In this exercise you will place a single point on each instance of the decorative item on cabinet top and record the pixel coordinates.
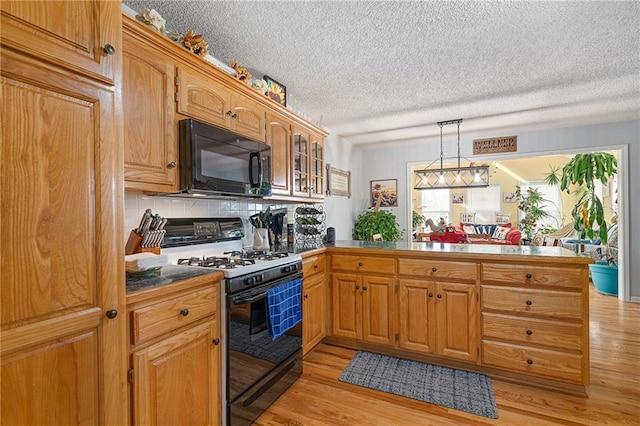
(276, 91)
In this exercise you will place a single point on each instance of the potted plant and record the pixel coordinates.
(530, 202)
(586, 170)
(372, 222)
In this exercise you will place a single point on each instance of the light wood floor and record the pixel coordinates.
(318, 398)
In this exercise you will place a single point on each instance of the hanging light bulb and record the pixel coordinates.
(476, 178)
(441, 178)
(458, 177)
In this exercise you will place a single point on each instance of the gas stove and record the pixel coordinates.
(217, 243)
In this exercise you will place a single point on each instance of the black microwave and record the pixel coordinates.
(217, 162)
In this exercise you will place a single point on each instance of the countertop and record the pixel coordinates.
(167, 275)
(470, 250)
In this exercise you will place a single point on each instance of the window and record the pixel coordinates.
(435, 203)
(485, 203)
(553, 206)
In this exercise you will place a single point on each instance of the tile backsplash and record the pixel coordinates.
(136, 203)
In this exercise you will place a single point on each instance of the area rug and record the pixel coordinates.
(457, 389)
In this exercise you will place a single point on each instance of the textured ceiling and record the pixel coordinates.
(380, 72)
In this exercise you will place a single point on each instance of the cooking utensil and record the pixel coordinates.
(143, 220)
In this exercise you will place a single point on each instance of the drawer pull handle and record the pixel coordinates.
(172, 165)
(529, 302)
(215, 341)
(529, 361)
(434, 269)
(528, 276)
(430, 294)
(439, 296)
(111, 314)
(529, 332)
(357, 287)
(109, 49)
(184, 312)
(360, 264)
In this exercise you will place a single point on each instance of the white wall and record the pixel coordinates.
(342, 211)
(385, 163)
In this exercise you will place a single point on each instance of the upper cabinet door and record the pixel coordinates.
(279, 138)
(150, 140)
(80, 35)
(248, 117)
(316, 166)
(202, 98)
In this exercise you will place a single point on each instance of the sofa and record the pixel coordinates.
(497, 234)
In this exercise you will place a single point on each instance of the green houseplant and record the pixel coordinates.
(371, 222)
(416, 219)
(530, 202)
(585, 171)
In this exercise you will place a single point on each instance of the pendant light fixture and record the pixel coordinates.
(458, 177)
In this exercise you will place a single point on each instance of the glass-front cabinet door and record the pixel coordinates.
(316, 161)
(300, 163)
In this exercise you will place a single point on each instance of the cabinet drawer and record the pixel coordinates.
(534, 275)
(554, 304)
(314, 265)
(466, 271)
(383, 265)
(532, 331)
(153, 320)
(539, 362)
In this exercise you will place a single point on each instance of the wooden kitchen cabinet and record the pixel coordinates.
(439, 308)
(363, 308)
(279, 138)
(76, 35)
(175, 340)
(148, 103)
(308, 163)
(63, 354)
(209, 101)
(314, 303)
(535, 320)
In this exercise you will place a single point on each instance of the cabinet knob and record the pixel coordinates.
(528, 276)
(234, 116)
(529, 361)
(111, 313)
(172, 165)
(439, 296)
(315, 266)
(357, 287)
(360, 264)
(529, 332)
(109, 49)
(215, 341)
(229, 113)
(529, 302)
(306, 296)
(364, 288)
(430, 294)
(434, 269)
(184, 312)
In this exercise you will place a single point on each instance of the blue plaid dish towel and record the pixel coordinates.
(285, 311)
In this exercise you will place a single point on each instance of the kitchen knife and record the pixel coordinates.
(143, 220)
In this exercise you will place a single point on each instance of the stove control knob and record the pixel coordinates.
(286, 269)
(259, 278)
(249, 281)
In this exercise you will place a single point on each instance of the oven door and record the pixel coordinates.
(251, 352)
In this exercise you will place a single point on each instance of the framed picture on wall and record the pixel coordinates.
(387, 189)
(509, 197)
(457, 198)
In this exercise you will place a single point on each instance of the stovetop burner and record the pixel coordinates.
(232, 259)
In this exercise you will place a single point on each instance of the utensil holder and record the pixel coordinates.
(134, 245)
(260, 239)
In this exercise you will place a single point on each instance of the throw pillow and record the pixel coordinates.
(486, 229)
(500, 233)
(469, 229)
(502, 218)
(467, 217)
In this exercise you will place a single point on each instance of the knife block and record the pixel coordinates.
(134, 245)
